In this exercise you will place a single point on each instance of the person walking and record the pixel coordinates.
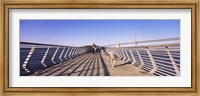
(94, 48)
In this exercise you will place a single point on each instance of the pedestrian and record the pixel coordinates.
(93, 48)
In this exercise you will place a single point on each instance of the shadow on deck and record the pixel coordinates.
(90, 65)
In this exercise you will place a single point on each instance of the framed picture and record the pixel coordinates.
(100, 47)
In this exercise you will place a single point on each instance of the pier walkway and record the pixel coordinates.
(91, 65)
(155, 58)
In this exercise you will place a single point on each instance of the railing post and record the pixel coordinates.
(73, 53)
(120, 53)
(128, 58)
(134, 60)
(60, 57)
(54, 55)
(78, 52)
(24, 65)
(44, 57)
(142, 63)
(117, 53)
(173, 62)
(152, 61)
(66, 53)
(124, 57)
(70, 53)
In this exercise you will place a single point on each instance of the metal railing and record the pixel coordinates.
(36, 56)
(161, 59)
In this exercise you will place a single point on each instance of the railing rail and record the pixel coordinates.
(42, 44)
(145, 41)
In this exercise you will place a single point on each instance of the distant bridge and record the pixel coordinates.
(154, 58)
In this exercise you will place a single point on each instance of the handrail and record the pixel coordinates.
(145, 41)
(155, 45)
(44, 44)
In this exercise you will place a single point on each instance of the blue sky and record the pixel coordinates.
(100, 32)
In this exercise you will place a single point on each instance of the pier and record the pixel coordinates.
(141, 58)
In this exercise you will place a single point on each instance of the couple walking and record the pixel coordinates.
(94, 48)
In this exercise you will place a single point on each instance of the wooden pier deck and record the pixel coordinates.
(91, 65)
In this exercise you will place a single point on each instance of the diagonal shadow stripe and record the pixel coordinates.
(81, 63)
(84, 68)
(70, 65)
(94, 62)
(106, 72)
(62, 65)
(75, 63)
(87, 70)
(55, 66)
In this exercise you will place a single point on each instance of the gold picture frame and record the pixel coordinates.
(34, 4)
